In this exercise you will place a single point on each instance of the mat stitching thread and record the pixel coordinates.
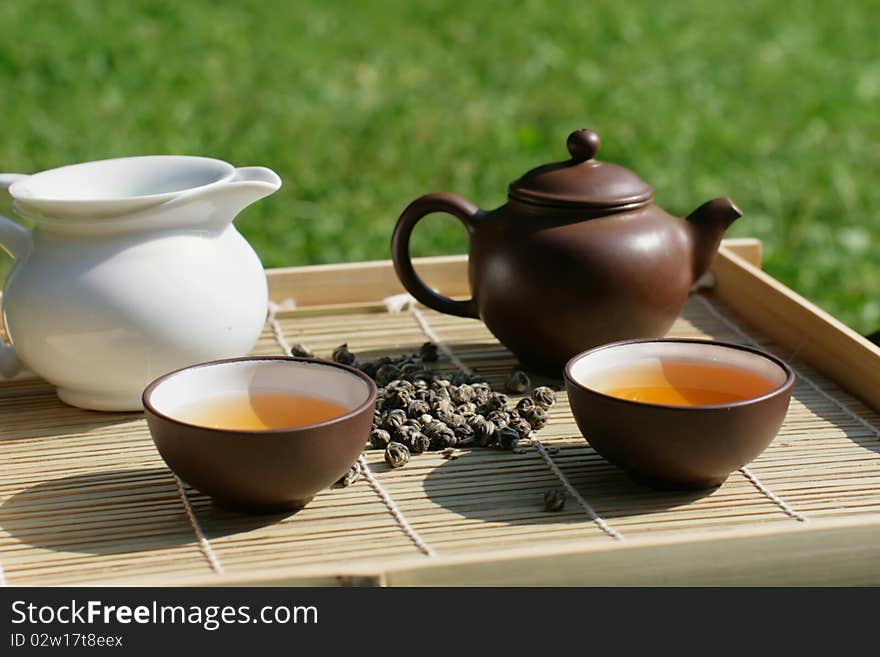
(372, 481)
(595, 517)
(206, 548)
(393, 509)
(276, 325)
(3, 580)
(770, 495)
(398, 303)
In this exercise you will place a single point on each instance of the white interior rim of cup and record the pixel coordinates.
(590, 367)
(170, 395)
(142, 177)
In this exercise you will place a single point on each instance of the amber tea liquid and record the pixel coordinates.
(260, 410)
(685, 383)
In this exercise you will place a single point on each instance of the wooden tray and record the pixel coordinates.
(85, 498)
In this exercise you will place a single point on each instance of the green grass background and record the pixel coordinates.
(362, 106)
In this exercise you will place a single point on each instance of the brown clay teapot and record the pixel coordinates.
(579, 256)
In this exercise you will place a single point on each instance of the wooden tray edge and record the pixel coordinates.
(840, 551)
(798, 325)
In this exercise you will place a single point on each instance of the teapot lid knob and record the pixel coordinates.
(583, 145)
(582, 181)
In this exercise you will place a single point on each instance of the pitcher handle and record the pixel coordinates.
(15, 239)
(458, 207)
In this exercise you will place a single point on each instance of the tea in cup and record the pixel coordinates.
(678, 413)
(261, 433)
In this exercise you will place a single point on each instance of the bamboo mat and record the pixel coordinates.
(86, 499)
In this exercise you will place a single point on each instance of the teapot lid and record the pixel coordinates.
(582, 180)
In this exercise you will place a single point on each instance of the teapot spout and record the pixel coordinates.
(707, 226)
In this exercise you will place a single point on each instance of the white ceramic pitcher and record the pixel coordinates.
(134, 269)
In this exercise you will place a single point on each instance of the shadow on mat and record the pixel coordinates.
(116, 512)
(490, 490)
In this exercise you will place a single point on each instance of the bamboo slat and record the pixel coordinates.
(85, 498)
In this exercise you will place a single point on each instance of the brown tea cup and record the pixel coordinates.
(677, 446)
(262, 470)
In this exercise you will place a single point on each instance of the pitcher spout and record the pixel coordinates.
(708, 224)
(247, 185)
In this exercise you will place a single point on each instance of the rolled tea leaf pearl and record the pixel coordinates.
(379, 438)
(537, 418)
(439, 434)
(554, 500)
(397, 398)
(369, 369)
(396, 455)
(426, 395)
(409, 429)
(444, 439)
(417, 407)
(403, 384)
(497, 401)
(434, 428)
(521, 425)
(544, 397)
(500, 418)
(393, 419)
(404, 434)
(428, 352)
(464, 432)
(301, 351)
(525, 406)
(496, 435)
(350, 477)
(419, 443)
(466, 409)
(508, 438)
(386, 374)
(461, 394)
(443, 393)
(343, 356)
(443, 407)
(482, 391)
(484, 430)
(517, 382)
(455, 421)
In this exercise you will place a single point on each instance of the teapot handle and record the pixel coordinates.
(458, 207)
